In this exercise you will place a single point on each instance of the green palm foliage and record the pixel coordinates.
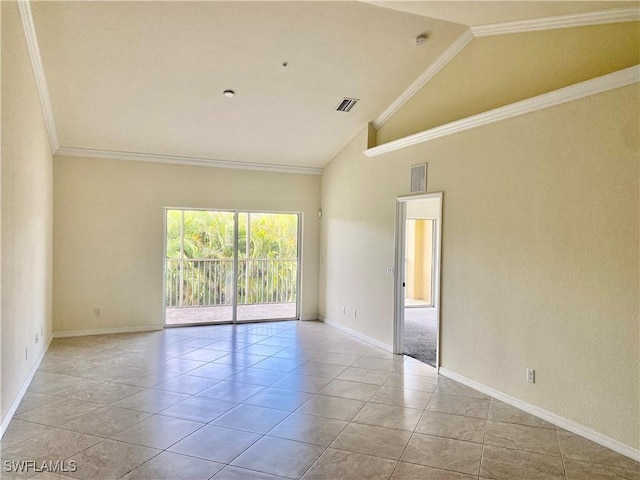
(200, 258)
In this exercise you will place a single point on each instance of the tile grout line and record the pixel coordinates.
(284, 419)
(481, 456)
(263, 435)
(562, 459)
(347, 423)
(328, 345)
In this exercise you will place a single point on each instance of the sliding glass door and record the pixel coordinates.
(267, 266)
(231, 266)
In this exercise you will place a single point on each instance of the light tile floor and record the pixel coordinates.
(276, 400)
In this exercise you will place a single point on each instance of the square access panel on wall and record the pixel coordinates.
(419, 178)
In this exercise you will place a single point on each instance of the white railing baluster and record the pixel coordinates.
(208, 282)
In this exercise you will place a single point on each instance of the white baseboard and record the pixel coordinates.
(358, 335)
(562, 422)
(23, 389)
(107, 331)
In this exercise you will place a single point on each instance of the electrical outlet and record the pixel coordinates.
(97, 312)
(344, 310)
(531, 375)
(37, 337)
(390, 271)
(355, 313)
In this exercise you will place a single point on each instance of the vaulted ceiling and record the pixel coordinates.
(484, 12)
(148, 77)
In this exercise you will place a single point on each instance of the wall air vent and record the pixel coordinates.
(419, 178)
(347, 104)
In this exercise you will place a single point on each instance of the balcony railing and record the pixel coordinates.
(209, 282)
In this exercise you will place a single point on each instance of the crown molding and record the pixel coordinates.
(38, 72)
(422, 80)
(561, 21)
(533, 25)
(580, 90)
(178, 160)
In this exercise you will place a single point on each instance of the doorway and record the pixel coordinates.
(420, 320)
(417, 277)
(231, 266)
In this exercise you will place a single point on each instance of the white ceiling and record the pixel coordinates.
(148, 77)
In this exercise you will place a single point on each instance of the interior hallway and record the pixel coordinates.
(277, 400)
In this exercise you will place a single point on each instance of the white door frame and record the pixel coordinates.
(399, 269)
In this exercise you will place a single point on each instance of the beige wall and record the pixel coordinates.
(26, 213)
(495, 71)
(540, 254)
(109, 231)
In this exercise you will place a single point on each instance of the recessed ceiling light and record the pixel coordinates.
(229, 93)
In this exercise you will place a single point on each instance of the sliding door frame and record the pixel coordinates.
(236, 234)
(299, 254)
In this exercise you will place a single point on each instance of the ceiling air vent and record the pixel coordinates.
(347, 104)
(419, 178)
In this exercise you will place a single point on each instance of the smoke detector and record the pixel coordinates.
(421, 39)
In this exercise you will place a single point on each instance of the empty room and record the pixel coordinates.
(352, 240)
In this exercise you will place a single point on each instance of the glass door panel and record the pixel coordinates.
(223, 267)
(199, 267)
(267, 266)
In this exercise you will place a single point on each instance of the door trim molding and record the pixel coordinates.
(398, 275)
(399, 269)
